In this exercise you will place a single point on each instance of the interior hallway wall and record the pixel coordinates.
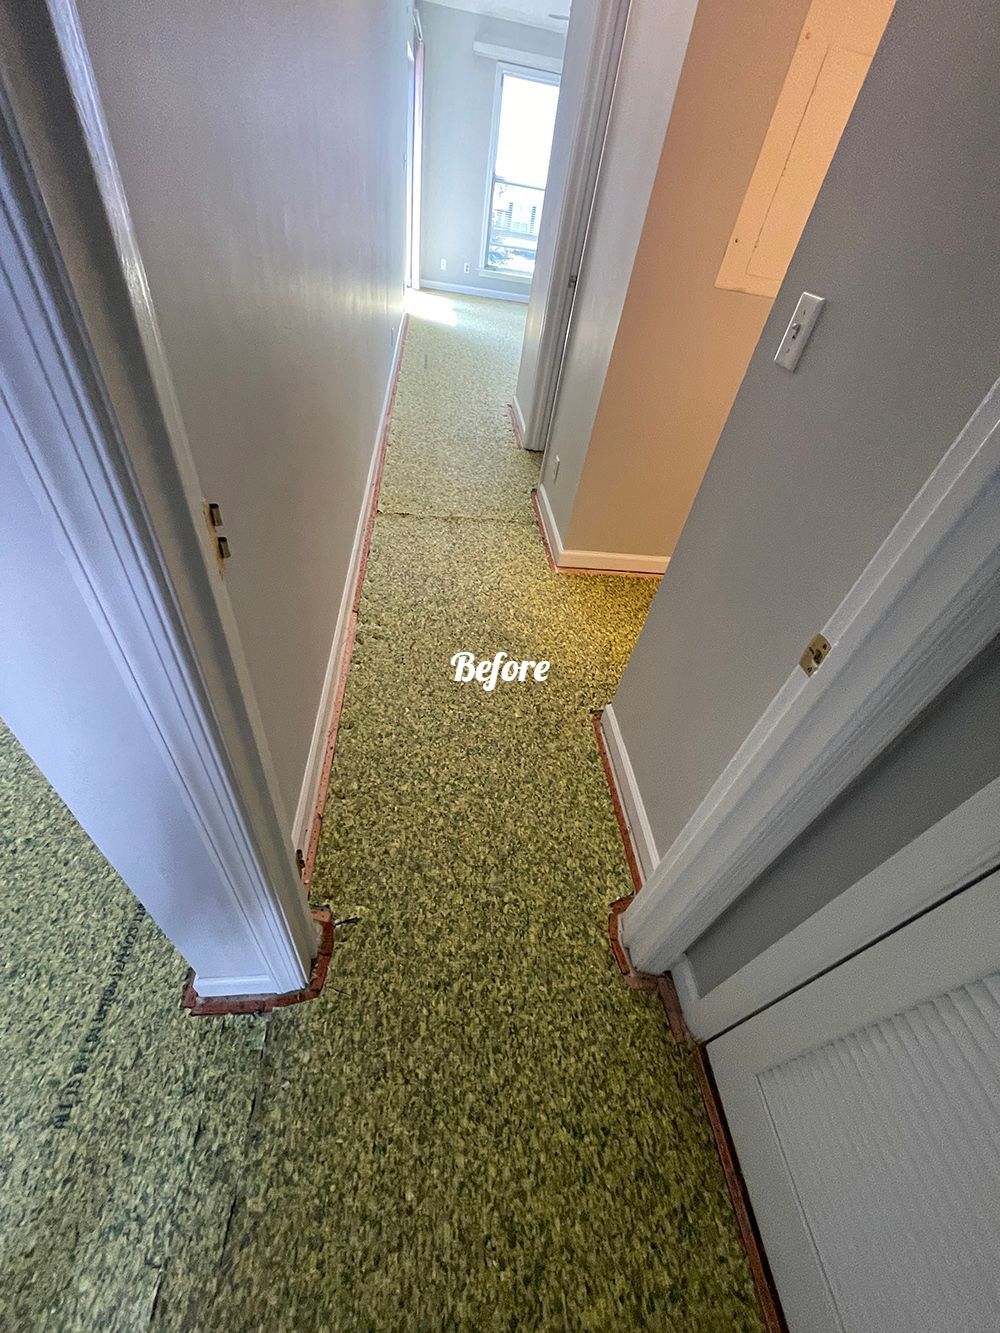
(683, 345)
(812, 470)
(261, 149)
(459, 91)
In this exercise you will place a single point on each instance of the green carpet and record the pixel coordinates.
(477, 1127)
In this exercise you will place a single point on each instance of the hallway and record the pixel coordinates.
(477, 1126)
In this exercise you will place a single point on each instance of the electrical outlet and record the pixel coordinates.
(467, 267)
(555, 468)
(444, 265)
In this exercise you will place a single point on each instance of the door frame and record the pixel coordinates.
(576, 211)
(926, 604)
(955, 851)
(414, 153)
(142, 555)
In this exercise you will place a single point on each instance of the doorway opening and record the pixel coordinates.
(489, 101)
(674, 293)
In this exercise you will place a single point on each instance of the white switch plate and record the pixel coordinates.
(444, 265)
(799, 331)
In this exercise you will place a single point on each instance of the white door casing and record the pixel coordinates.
(925, 605)
(118, 716)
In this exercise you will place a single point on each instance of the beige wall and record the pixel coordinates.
(683, 345)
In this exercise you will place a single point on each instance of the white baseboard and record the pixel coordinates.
(550, 527)
(463, 290)
(633, 807)
(302, 827)
(222, 987)
(614, 562)
(519, 421)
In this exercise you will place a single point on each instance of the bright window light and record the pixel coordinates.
(524, 120)
(437, 309)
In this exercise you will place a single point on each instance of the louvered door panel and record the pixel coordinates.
(866, 1112)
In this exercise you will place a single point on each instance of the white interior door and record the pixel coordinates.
(865, 1110)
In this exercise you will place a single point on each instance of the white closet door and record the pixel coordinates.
(865, 1109)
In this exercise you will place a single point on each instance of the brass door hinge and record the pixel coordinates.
(213, 517)
(815, 654)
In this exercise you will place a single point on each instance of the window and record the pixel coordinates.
(524, 118)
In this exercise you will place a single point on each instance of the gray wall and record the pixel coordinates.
(459, 89)
(262, 152)
(947, 755)
(813, 469)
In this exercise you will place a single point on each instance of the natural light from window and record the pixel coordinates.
(524, 124)
(427, 305)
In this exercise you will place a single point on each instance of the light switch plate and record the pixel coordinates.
(799, 331)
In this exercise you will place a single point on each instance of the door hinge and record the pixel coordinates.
(300, 860)
(213, 517)
(815, 654)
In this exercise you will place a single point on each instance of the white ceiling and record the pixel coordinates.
(534, 12)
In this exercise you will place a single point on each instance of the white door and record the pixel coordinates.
(865, 1110)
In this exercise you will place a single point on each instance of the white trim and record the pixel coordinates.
(415, 159)
(225, 987)
(462, 290)
(302, 828)
(589, 134)
(70, 450)
(927, 602)
(549, 525)
(621, 562)
(512, 56)
(614, 562)
(961, 847)
(639, 828)
(515, 407)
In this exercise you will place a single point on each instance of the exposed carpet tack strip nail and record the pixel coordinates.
(373, 509)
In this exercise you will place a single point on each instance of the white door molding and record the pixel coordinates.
(956, 851)
(63, 436)
(927, 602)
(575, 211)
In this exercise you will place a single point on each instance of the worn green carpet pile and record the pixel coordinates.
(477, 1127)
